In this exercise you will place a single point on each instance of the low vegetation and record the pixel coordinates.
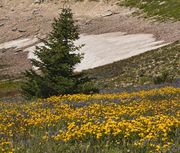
(136, 122)
(161, 9)
(2, 67)
(143, 69)
(10, 88)
(144, 121)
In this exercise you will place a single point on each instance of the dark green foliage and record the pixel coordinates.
(162, 78)
(56, 61)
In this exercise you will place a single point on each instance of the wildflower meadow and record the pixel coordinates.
(144, 121)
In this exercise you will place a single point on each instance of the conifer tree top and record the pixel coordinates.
(56, 61)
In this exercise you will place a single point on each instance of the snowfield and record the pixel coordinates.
(99, 49)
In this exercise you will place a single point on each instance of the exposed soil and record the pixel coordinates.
(22, 19)
(168, 31)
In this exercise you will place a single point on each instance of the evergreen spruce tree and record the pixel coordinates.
(56, 61)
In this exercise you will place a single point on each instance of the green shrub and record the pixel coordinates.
(162, 78)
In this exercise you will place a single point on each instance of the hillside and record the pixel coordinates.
(139, 122)
(161, 9)
(141, 69)
(94, 18)
(132, 54)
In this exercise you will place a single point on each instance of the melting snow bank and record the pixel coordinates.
(99, 49)
(110, 47)
(19, 43)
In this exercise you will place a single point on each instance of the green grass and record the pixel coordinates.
(139, 70)
(9, 88)
(161, 9)
(35, 127)
(2, 67)
(51, 147)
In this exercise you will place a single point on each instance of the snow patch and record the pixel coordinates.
(99, 49)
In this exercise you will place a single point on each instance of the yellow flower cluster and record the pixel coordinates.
(145, 118)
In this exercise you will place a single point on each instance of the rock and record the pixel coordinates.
(1, 24)
(40, 15)
(161, 3)
(144, 3)
(12, 9)
(37, 30)
(4, 19)
(29, 18)
(14, 29)
(3, 50)
(117, 3)
(18, 50)
(37, 1)
(22, 30)
(35, 11)
(107, 13)
(41, 37)
(88, 22)
(1, 5)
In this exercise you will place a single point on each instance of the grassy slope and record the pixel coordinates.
(140, 69)
(139, 122)
(137, 70)
(162, 9)
(9, 88)
(2, 67)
